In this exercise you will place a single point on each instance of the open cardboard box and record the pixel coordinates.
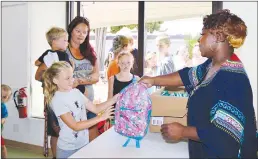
(168, 109)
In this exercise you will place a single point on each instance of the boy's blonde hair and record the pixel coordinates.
(49, 86)
(54, 33)
(6, 88)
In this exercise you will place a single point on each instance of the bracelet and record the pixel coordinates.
(101, 113)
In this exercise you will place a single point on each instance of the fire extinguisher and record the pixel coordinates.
(20, 100)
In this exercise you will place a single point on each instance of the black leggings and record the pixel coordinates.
(52, 123)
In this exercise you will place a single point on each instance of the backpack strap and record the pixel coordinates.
(134, 79)
(137, 143)
(127, 141)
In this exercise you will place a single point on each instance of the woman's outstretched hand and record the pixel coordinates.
(149, 81)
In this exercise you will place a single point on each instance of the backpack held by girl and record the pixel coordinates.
(133, 111)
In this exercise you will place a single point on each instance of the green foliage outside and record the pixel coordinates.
(190, 42)
(151, 27)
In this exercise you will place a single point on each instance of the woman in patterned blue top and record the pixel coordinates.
(221, 118)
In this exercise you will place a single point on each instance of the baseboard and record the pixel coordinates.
(25, 146)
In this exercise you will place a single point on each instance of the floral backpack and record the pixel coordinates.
(133, 111)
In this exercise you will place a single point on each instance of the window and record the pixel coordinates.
(169, 40)
(103, 30)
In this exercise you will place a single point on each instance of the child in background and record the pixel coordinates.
(151, 64)
(197, 58)
(120, 44)
(165, 60)
(6, 93)
(121, 80)
(151, 68)
(70, 105)
(57, 38)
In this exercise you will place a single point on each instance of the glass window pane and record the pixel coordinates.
(172, 32)
(107, 20)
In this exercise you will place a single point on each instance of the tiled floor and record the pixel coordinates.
(20, 153)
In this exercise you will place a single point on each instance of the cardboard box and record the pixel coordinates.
(156, 122)
(168, 109)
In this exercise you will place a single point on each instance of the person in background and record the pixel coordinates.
(120, 44)
(134, 52)
(86, 67)
(6, 93)
(151, 68)
(151, 64)
(121, 80)
(165, 60)
(197, 58)
(181, 58)
(108, 59)
(221, 118)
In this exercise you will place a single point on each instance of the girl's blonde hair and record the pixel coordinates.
(122, 54)
(52, 72)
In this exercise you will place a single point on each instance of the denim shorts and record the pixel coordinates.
(90, 115)
(60, 153)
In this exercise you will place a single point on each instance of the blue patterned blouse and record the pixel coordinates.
(221, 109)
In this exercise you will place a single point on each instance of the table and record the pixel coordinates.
(109, 145)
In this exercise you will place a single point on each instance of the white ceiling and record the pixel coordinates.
(103, 14)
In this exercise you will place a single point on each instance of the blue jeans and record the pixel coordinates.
(60, 153)
(90, 115)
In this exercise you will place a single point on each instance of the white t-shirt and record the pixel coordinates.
(73, 101)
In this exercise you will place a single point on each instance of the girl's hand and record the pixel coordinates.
(115, 98)
(107, 124)
(75, 82)
(108, 114)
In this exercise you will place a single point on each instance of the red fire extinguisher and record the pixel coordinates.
(20, 100)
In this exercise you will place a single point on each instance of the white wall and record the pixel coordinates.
(42, 17)
(15, 48)
(248, 52)
(23, 35)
